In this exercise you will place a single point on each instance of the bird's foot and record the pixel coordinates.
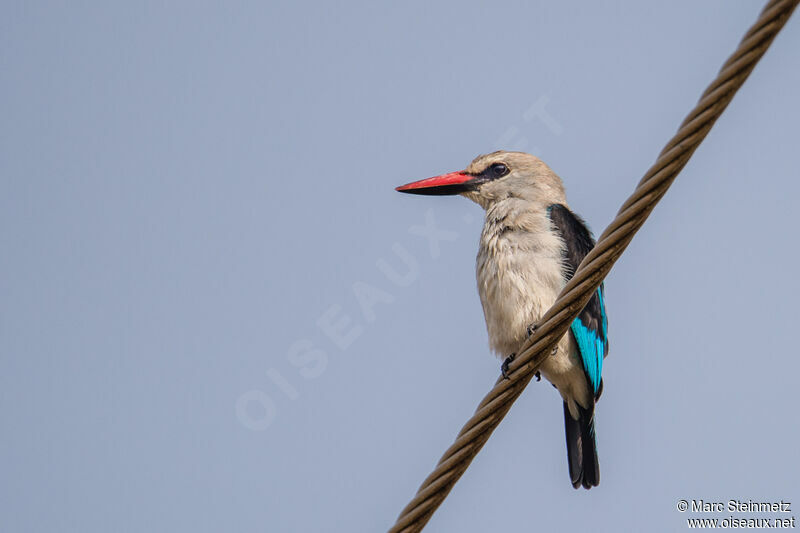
(504, 366)
(531, 330)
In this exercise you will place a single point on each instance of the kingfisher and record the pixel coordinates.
(530, 246)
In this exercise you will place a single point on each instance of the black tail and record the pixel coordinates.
(581, 448)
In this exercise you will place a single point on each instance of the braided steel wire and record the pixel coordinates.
(594, 268)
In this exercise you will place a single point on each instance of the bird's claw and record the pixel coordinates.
(504, 366)
(538, 376)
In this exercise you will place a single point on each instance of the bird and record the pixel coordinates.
(530, 247)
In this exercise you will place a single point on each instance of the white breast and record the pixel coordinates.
(520, 274)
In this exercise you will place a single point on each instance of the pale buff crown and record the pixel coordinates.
(529, 179)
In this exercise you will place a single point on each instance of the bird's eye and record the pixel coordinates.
(499, 169)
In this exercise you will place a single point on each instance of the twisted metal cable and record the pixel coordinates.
(594, 268)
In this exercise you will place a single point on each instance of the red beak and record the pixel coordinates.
(452, 183)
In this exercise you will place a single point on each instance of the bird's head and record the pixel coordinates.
(495, 177)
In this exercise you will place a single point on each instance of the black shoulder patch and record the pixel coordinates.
(575, 234)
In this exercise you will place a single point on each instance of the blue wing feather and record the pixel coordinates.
(592, 343)
(590, 328)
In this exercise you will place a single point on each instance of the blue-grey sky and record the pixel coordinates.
(197, 199)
